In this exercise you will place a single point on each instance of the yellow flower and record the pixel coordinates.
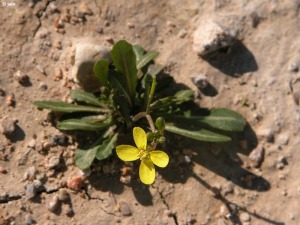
(147, 156)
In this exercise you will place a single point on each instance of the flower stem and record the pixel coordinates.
(150, 121)
(151, 95)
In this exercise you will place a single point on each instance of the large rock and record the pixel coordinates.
(210, 36)
(86, 55)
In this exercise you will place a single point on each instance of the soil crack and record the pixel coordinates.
(43, 10)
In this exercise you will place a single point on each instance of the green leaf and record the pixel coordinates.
(105, 149)
(83, 96)
(122, 105)
(185, 95)
(125, 62)
(101, 71)
(58, 106)
(138, 51)
(223, 119)
(84, 158)
(84, 124)
(145, 59)
(154, 69)
(200, 135)
(116, 81)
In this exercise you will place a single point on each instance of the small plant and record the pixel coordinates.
(131, 96)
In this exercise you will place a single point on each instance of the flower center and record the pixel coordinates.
(143, 154)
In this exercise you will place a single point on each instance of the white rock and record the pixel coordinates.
(282, 139)
(257, 156)
(86, 55)
(210, 36)
(200, 80)
(245, 217)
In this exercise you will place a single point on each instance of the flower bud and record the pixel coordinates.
(150, 136)
(162, 140)
(160, 123)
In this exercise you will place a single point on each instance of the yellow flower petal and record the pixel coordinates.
(147, 171)
(127, 152)
(140, 138)
(159, 158)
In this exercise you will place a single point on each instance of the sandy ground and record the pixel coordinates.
(220, 185)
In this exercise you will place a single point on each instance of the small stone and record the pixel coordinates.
(265, 134)
(86, 55)
(109, 39)
(40, 69)
(3, 170)
(224, 210)
(294, 67)
(31, 143)
(280, 165)
(53, 204)
(282, 139)
(2, 92)
(10, 100)
(200, 80)
(63, 195)
(30, 173)
(58, 75)
(160, 40)
(84, 9)
(282, 159)
(182, 33)
(228, 188)
(124, 208)
(30, 190)
(43, 87)
(47, 145)
(39, 147)
(61, 140)
(53, 162)
(187, 159)
(75, 183)
(257, 156)
(28, 219)
(8, 126)
(23, 79)
(245, 217)
(210, 37)
(69, 211)
(171, 24)
(125, 179)
(130, 25)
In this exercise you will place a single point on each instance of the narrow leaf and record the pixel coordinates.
(83, 124)
(58, 106)
(105, 149)
(138, 51)
(154, 69)
(148, 57)
(124, 60)
(101, 71)
(85, 158)
(83, 96)
(200, 135)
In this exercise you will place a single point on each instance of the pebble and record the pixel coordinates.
(200, 80)
(130, 25)
(53, 162)
(28, 219)
(84, 9)
(10, 100)
(257, 156)
(60, 139)
(187, 159)
(53, 204)
(31, 190)
(3, 170)
(63, 195)
(69, 211)
(75, 183)
(43, 87)
(294, 67)
(228, 188)
(31, 143)
(124, 208)
(182, 33)
(86, 55)
(8, 126)
(30, 173)
(282, 139)
(245, 217)
(125, 179)
(210, 36)
(2, 92)
(40, 69)
(265, 134)
(23, 79)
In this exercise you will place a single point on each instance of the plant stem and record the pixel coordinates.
(138, 116)
(150, 121)
(151, 95)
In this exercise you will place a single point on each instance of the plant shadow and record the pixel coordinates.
(233, 61)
